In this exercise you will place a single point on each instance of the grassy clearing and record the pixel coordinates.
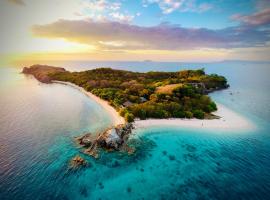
(167, 89)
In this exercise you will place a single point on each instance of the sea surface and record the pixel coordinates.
(38, 123)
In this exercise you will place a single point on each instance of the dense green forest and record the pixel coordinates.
(180, 94)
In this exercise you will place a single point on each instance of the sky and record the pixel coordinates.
(135, 30)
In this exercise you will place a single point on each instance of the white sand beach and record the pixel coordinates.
(229, 120)
(117, 119)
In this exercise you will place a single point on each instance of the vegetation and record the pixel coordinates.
(150, 95)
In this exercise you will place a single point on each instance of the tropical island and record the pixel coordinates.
(159, 95)
(163, 98)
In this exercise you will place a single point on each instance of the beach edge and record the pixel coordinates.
(229, 120)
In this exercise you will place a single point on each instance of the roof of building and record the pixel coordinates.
(127, 103)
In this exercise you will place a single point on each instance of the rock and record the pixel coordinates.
(124, 130)
(92, 152)
(110, 139)
(171, 157)
(77, 161)
(129, 189)
(114, 139)
(115, 164)
(129, 150)
(86, 140)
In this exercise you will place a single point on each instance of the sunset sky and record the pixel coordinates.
(160, 30)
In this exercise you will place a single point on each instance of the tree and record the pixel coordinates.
(178, 114)
(153, 97)
(188, 114)
(123, 111)
(142, 114)
(144, 93)
(129, 117)
(198, 114)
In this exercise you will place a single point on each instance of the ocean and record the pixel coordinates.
(38, 123)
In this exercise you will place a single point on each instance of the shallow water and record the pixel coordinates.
(38, 123)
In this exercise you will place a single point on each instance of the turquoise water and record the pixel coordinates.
(38, 123)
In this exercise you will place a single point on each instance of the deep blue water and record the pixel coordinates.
(38, 123)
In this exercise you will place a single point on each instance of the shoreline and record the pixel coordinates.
(229, 120)
(116, 118)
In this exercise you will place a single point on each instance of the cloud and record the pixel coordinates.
(256, 19)
(204, 7)
(17, 2)
(96, 5)
(169, 6)
(115, 35)
(121, 17)
(103, 10)
(101, 5)
(115, 6)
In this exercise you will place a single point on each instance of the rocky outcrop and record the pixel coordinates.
(77, 162)
(110, 139)
(114, 139)
(85, 140)
(42, 72)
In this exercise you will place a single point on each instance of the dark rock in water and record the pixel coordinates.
(83, 191)
(92, 151)
(115, 164)
(110, 139)
(114, 139)
(101, 185)
(171, 157)
(86, 140)
(128, 149)
(129, 189)
(77, 161)
(190, 148)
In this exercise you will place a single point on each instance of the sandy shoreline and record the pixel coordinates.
(117, 119)
(229, 120)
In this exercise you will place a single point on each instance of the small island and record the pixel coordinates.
(136, 96)
(181, 94)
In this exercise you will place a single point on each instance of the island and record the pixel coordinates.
(137, 96)
(180, 94)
